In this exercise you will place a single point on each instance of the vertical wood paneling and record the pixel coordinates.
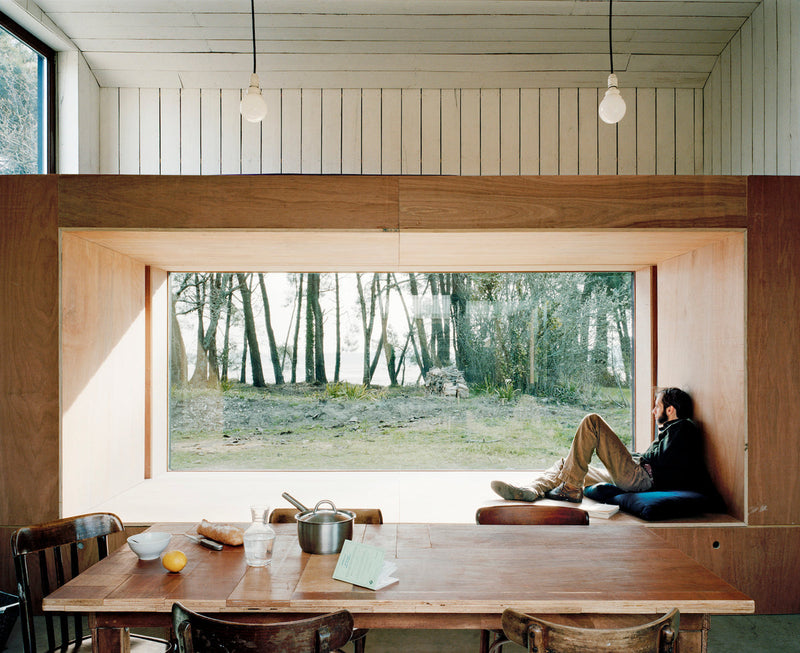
(529, 131)
(431, 132)
(231, 132)
(170, 129)
(291, 131)
(490, 131)
(311, 131)
(548, 131)
(770, 71)
(509, 131)
(451, 131)
(351, 131)
(271, 140)
(716, 119)
(331, 131)
(794, 130)
(149, 136)
(784, 83)
(129, 131)
(747, 99)
(587, 131)
(411, 132)
(210, 128)
(736, 105)
(251, 140)
(665, 131)
(684, 137)
(627, 134)
(724, 130)
(371, 131)
(708, 134)
(470, 131)
(757, 70)
(391, 131)
(645, 131)
(109, 131)
(190, 131)
(568, 131)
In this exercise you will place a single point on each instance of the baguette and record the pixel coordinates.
(225, 533)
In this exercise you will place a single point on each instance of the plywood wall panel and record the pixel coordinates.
(29, 417)
(571, 202)
(706, 357)
(761, 562)
(773, 349)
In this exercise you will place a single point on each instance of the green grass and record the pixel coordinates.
(316, 427)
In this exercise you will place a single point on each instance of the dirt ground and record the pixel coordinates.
(303, 427)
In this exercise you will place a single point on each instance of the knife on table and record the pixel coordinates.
(202, 541)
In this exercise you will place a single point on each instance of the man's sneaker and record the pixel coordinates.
(513, 493)
(564, 492)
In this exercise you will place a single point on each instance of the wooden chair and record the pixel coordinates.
(519, 514)
(197, 633)
(659, 636)
(49, 552)
(363, 516)
(531, 514)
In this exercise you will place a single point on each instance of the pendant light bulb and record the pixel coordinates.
(253, 106)
(612, 107)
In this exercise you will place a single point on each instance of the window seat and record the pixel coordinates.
(403, 496)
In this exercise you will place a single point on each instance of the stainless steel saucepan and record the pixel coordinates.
(322, 531)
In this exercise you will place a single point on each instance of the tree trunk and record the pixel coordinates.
(250, 332)
(338, 365)
(200, 374)
(243, 372)
(367, 322)
(297, 328)
(226, 343)
(178, 365)
(273, 347)
(388, 348)
(319, 337)
(310, 378)
(437, 336)
(419, 322)
(461, 324)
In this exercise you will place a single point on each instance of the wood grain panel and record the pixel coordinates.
(701, 348)
(28, 349)
(571, 202)
(261, 202)
(773, 347)
(764, 563)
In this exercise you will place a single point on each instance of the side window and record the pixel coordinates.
(27, 102)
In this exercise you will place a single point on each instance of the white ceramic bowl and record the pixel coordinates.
(149, 545)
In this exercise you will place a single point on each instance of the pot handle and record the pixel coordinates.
(294, 501)
(328, 501)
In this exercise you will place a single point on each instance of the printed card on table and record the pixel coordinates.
(364, 565)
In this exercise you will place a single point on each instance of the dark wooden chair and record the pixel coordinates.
(519, 514)
(659, 636)
(197, 633)
(48, 555)
(363, 516)
(531, 514)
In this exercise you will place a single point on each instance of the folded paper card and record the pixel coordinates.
(363, 565)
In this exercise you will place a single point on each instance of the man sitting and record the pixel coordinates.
(674, 461)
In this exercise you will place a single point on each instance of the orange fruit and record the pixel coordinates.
(174, 560)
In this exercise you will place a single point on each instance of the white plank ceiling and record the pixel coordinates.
(399, 43)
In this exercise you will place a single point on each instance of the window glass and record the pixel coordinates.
(25, 76)
(394, 370)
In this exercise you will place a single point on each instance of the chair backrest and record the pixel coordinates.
(363, 515)
(48, 555)
(659, 636)
(518, 514)
(197, 633)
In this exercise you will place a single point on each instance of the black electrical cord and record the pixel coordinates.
(610, 54)
(253, 23)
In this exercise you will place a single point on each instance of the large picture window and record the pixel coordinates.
(407, 371)
(27, 102)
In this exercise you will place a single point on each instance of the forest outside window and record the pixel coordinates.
(27, 102)
(394, 371)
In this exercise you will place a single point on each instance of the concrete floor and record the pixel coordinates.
(734, 634)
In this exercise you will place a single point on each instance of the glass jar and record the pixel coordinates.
(259, 538)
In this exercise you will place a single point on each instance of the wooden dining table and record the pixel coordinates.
(451, 576)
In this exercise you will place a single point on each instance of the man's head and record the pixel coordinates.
(672, 403)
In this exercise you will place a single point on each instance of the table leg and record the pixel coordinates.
(109, 640)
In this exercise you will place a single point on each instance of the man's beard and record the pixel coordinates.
(662, 418)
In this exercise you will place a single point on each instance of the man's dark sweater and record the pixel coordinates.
(676, 458)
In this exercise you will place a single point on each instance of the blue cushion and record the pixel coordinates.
(652, 506)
